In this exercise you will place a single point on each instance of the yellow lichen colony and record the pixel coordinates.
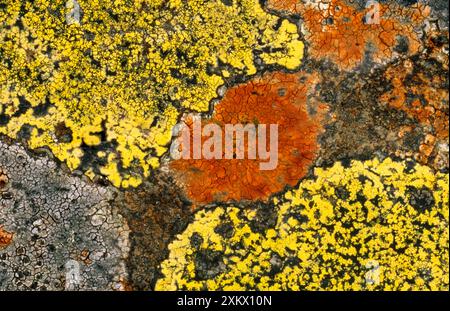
(115, 78)
(371, 225)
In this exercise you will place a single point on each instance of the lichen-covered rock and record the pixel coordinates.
(102, 87)
(90, 92)
(373, 225)
(348, 32)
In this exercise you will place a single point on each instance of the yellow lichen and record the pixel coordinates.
(118, 75)
(369, 226)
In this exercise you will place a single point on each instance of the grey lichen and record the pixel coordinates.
(66, 234)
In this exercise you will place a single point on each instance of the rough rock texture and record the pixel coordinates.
(155, 212)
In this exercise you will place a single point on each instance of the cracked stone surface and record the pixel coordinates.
(59, 224)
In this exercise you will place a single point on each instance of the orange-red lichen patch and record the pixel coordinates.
(5, 238)
(342, 33)
(421, 91)
(284, 5)
(424, 98)
(276, 98)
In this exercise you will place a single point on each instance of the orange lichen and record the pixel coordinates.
(284, 5)
(422, 94)
(276, 98)
(341, 33)
(84, 257)
(422, 99)
(125, 285)
(5, 238)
